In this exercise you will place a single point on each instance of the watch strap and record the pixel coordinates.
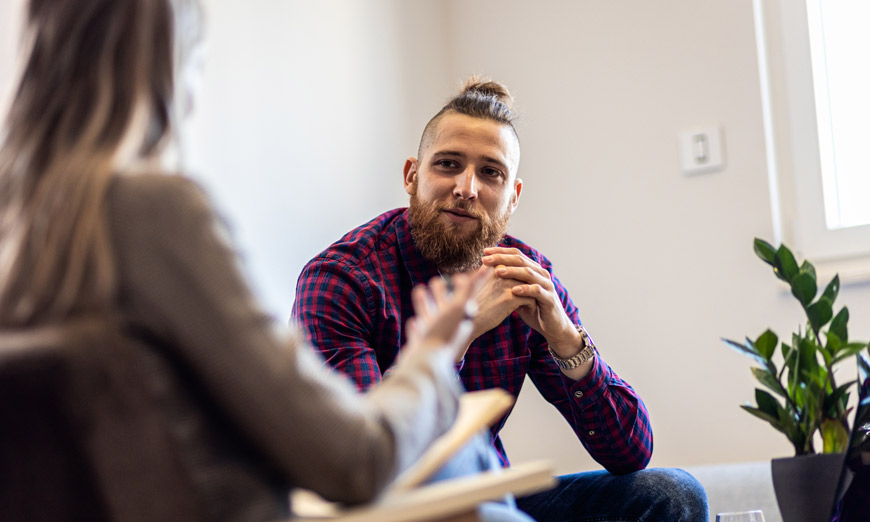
(587, 353)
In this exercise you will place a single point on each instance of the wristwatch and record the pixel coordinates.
(584, 355)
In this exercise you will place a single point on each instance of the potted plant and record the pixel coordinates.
(799, 395)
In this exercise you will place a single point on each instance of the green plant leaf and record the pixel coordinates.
(765, 251)
(835, 436)
(844, 402)
(788, 421)
(803, 286)
(826, 355)
(794, 430)
(785, 263)
(768, 379)
(807, 353)
(817, 382)
(831, 400)
(839, 324)
(819, 313)
(833, 289)
(808, 362)
(775, 422)
(766, 344)
(747, 349)
(767, 403)
(833, 344)
(808, 268)
(812, 399)
(799, 395)
(811, 415)
(792, 360)
(848, 351)
(789, 356)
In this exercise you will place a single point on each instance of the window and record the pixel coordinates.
(816, 95)
(841, 82)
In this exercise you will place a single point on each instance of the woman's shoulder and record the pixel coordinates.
(156, 191)
(162, 207)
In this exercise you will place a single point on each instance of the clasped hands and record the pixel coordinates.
(476, 303)
(512, 281)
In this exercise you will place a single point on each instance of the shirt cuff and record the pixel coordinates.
(589, 389)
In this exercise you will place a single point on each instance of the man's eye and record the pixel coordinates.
(446, 163)
(491, 173)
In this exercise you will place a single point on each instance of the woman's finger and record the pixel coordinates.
(422, 302)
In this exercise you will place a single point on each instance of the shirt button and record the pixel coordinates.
(591, 433)
(578, 394)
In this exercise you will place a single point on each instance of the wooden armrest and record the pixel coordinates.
(454, 499)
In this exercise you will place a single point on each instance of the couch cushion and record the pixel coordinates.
(739, 487)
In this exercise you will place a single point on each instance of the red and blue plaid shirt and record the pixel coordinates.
(354, 298)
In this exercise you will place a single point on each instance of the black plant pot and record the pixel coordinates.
(805, 486)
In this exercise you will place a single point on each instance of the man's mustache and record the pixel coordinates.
(461, 205)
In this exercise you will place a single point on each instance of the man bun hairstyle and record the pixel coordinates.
(483, 98)
(479, 97)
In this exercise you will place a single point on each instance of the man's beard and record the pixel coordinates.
(446, 244)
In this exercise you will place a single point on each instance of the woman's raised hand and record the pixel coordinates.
(443, 313)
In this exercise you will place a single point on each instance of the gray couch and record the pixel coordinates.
(739, 487)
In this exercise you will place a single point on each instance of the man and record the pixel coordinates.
(354, 300)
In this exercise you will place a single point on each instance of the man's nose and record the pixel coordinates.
(466, 185)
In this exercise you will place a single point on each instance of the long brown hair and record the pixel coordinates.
(95, 68)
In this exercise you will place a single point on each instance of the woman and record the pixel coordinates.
(90, 225)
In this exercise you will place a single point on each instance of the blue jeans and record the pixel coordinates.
(651, 495)
(476, 456)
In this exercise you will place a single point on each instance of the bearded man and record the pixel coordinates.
(354, 300)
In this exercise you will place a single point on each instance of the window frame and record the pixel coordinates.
(793, 147)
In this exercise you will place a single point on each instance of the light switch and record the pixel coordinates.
(701, 150)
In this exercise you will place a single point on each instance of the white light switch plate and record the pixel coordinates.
(701, 150)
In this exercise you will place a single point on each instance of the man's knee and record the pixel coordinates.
(673, 493)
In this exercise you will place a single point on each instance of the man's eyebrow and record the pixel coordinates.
(460, 154)
(449, 153)
(497, 161)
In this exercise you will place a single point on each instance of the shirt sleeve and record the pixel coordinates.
(179, 280)
(605, 412)
(333, 307)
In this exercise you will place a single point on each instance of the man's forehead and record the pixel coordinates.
(464, 136)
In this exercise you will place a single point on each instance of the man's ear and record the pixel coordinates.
(410, 175)
(515, 195)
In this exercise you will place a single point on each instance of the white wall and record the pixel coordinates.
(10, 15)
(304, 122)
(309, 109)
(659, 263)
